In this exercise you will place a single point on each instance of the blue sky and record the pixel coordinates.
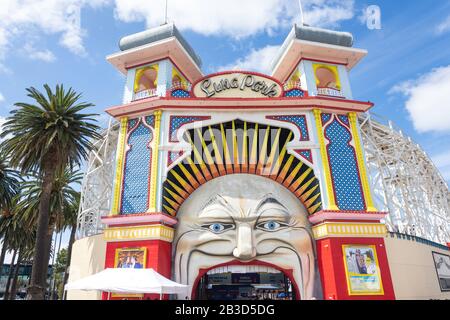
(406, 73)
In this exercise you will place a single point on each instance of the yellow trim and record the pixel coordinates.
(295, 76)
(331, 68)
(254, 152)
(325, 161)
(235, 146)
(152, 232)
(120, 157)
(273, 153)
(361, 163)
(140, 73)
(375, 256)
(342, 230)
(155, 162)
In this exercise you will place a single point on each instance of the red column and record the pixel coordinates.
(332, 268)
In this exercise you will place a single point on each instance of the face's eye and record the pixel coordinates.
(218, 227)
(270, 226)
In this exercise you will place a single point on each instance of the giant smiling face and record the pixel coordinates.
(244, 220)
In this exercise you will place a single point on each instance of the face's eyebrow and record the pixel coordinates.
(268, 199)
(219, 200)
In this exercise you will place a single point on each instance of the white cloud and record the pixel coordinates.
(258, 60)
(26, 18)
(35, 54)
(235, 18)
(2, 121)
(428, 101)
(444, 26)
(328, 13)
(20, 19)
(2, 98)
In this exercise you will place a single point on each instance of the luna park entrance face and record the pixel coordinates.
(245, 286)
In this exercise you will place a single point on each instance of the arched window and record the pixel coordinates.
(146, 79)
(327, 80)
(178, 81)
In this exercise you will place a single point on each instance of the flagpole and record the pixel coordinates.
(302, 18)
(165, 20)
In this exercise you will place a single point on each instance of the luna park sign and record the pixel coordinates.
(237, 85)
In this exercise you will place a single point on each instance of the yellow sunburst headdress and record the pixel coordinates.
(240, 147)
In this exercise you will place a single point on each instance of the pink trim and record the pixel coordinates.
(167, 103)
(133, 219)
(327, 215)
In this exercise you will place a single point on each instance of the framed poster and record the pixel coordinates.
(442, 264)
(134, 258)
(362, 270)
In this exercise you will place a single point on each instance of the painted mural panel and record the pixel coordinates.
(362, 270)
(442, 263)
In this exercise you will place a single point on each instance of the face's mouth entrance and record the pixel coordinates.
(245, 281)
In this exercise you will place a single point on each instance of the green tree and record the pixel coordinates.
(47, 136)
(20, 240)
(63, 198)
(71, 222)
(9, 183)
(59, 269)
(9, 186)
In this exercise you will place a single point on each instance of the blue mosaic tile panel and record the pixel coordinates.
(177, 122)
(295, 93)
(299, 121)
(137, 171)
(344, 168)
(180, 94)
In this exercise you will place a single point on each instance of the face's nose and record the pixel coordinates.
(245, 249)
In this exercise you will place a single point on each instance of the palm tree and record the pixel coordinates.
(9, 186)
(47, 137)
(9, 183)
(63, 197)
(19, 239)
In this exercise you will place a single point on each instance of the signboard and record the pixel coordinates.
(244, 278)
(442, 264)
(362, 270)
(237, 85)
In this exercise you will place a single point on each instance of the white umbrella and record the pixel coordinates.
(128, 281)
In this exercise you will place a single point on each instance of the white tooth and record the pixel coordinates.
(243, 269)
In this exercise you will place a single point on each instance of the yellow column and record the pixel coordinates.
(155, 162)
(325, 162)
(120, 156)
(361, 163)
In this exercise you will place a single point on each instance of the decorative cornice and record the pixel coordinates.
(146, 106)
(349, 230)
(139, 219)
(151, 232)
(327, 215)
